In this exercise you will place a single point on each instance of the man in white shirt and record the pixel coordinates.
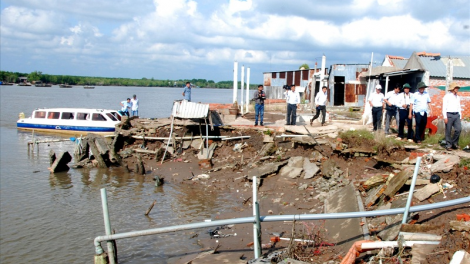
(320, 104)
(391, 107)
(376, 101)
(135, 105)
(420, 104)
(293, 100)
(404, 101)
(452, 112)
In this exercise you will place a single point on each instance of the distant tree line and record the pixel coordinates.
(13, 77)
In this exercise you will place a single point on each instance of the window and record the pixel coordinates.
(98, 117)
(53, 115)
(82, 116)
(40, 114)
(117, 115)
(111, 117)
(67, 115)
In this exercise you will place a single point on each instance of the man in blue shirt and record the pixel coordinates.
(419, 107)
(125, 107)
(187, 92)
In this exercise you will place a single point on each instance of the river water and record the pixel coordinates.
(53, 218)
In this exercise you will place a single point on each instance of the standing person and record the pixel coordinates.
(135, 105)
(259, 97)
(376, 101)
(452, 112)
(419, 107)
(391, 107)
(187, 92)
(404, 101)
(320, 104)
(126, 107)
(293, 100)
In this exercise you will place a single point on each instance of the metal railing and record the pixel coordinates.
(256, 219)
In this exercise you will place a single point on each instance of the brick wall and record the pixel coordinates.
(436, 102)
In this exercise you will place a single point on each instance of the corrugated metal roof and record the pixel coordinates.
(437, 65)
(185, 109)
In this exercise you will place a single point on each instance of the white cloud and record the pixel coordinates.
(141, 36)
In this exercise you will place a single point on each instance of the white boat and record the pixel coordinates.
(70, 120)
(88, 87)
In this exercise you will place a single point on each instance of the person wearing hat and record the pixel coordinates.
(452, 112)
(391, 103)
(376, 101)
(135, 105)
(418, 108)
(404, 101)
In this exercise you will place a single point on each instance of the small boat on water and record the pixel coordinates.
(65, 85)
(70, 120)
(88, 87)
(41, 84)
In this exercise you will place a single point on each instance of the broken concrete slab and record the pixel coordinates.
(420, 251)
(268, 139)
(60, 163)
(186, 144)
(391, 231)
(418, 182)
(207, 153)
(310, 169)
(52, 157)
(374, 181)
(330, 170)
(267, 149)
(446, 164)
(290, 172)
(460, 226)
(296, 162)
(266, 169)
(196, 143)
(397, 182)
(344, 232)
(425, 192)
(316, 156)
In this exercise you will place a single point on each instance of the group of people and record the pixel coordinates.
(130, 107)
(293, 102)
(404, 106)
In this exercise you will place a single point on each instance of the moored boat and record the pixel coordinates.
(65, 85)
(88, 87)
(41, 84)
(70, 120)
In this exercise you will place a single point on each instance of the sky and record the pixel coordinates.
(201, 39)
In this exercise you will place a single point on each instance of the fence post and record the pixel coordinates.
(256, 224)
(412, 188)
(107, 225)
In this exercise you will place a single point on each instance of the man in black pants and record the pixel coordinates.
(376, 101)
(320, 103)
(404, 101)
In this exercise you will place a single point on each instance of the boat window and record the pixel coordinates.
(98, 117)
(53, 115)
(82, 116)
(67, 115)
(111, 116)
(117, 115)
(40, 114)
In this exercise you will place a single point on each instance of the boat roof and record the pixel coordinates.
(75, 110)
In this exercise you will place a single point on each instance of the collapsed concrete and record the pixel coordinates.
(321, 173)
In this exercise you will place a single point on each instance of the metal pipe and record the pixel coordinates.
(256, 223)
(235, 80)
(242, 87)
(247, 98)
(271, 218)
(240, 137)
(107, 225)
(165, 138)
(412, 188)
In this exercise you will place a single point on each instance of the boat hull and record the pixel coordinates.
(65, 120)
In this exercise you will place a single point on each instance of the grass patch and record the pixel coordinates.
(268, 132)
(464, 162)
(385, 144)
(434, 139)
(357, 138)
(464, 139)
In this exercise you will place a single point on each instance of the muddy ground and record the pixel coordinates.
(281, 195)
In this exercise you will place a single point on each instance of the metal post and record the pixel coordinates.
(235, 81)
(107, 225)
(242, 86)
(247, 99)
(412, 188)
(256, 224)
